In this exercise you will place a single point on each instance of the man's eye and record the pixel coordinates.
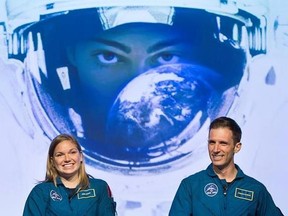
(107, 58)
(167, 58)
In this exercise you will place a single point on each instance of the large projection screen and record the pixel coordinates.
(138, 82)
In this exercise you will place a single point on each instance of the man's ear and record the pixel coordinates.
(237, 147)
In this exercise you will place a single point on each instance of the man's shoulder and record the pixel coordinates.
(198, 175)
(253, 181)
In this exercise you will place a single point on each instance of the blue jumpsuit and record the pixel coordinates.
(46, 199)
(204, 194)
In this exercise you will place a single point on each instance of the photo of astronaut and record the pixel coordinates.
(138, 84)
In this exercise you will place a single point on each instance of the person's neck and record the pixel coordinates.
(228, 173)
(70, 182)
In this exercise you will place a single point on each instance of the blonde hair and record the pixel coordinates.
(51, 172)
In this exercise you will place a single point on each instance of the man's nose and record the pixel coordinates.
(216, 148)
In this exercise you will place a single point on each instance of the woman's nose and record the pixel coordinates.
(67, 157)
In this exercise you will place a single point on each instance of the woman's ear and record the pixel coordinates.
(52, 162)
(81, 160)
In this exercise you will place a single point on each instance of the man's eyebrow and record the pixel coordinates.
(112, 43)
(161, 45)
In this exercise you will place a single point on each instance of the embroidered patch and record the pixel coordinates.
(211, 189)
(244, 194)
(55, 196)
(84, 194)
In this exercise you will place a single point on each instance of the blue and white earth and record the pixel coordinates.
(160, 110)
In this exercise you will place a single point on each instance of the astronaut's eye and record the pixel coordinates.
(107, 57)
(167, 58)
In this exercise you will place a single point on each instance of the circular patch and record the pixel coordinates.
(211, 189)
(55, 196)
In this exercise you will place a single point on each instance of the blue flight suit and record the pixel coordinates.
(204, 194)
(46, 199)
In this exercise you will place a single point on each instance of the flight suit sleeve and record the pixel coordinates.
(35, 204)
(182, 202)
(107, 206)
(266, 205)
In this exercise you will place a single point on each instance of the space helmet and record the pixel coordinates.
(149, 119)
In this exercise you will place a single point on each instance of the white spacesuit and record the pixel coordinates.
(160, 134)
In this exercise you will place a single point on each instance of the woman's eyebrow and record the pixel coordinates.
(113, 43)
(68, 150)
(162, 44)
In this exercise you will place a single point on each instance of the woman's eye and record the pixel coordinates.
(167, 58)
(107, 58)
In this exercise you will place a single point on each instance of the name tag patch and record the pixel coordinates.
(244, 194)
(84, 194)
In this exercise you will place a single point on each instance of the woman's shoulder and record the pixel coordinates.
(41, 189)
(43, 185)
(97, 181)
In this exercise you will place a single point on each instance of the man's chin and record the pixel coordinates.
(219, 164)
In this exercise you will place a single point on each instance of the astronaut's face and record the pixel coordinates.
(107, 62)
(222, 147)
(110, 60)
(67, 159)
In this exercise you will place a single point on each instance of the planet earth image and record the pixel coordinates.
(158, 111)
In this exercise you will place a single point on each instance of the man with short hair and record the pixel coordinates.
(223, 188)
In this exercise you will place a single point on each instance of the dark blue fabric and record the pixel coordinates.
(46, 199)
(204, 194)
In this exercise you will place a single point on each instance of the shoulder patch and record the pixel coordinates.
(55, 196)
(84, 194)
(244, 194)
(211, 189)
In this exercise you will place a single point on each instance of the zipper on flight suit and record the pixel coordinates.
(225, 190)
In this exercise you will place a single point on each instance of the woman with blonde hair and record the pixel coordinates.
(67, 188)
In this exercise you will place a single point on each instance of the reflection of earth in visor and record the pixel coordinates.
(156, 113)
